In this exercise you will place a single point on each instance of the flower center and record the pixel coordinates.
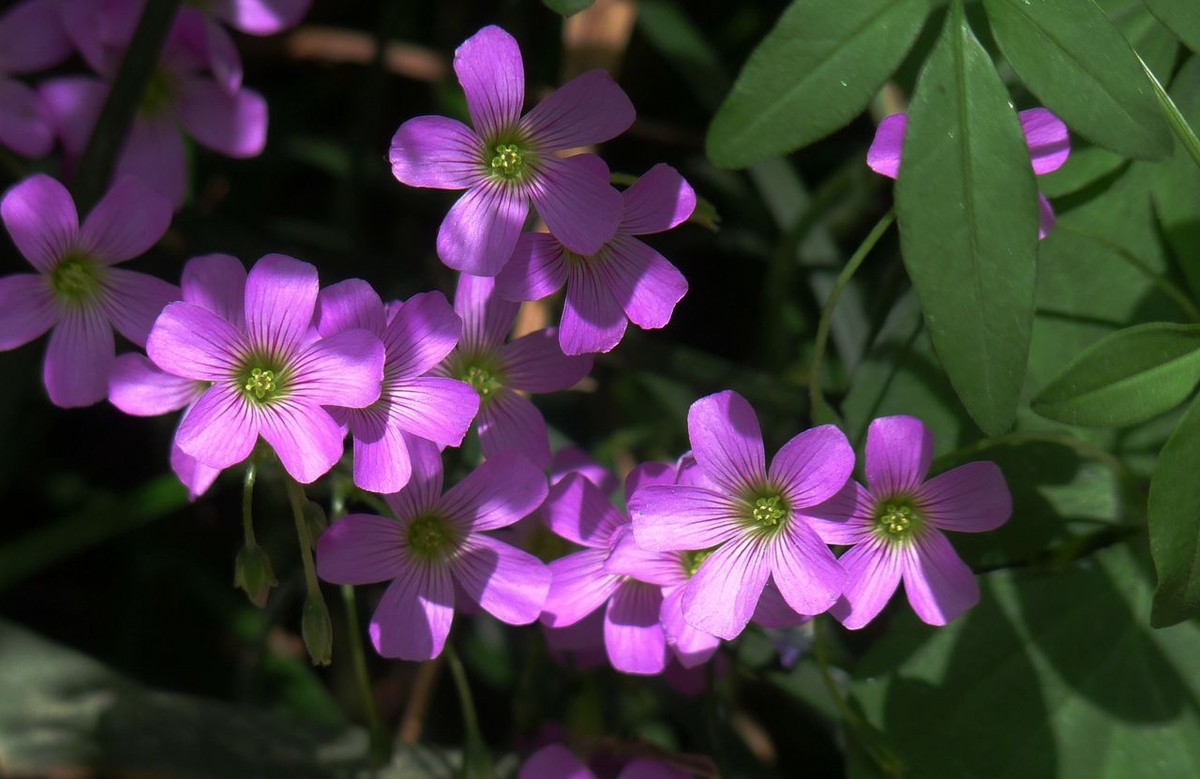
(508, 162)
(897, 519)
(693, 560)
(431, 537)
(483, 377)
(159, 94)
(262, 381)
(766, 511)
(76, 279)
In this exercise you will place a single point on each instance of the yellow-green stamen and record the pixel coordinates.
(768, 512)
(693, 560)
(508, 161)
(430, 537)
(897, 519)
(261, 383)
(482, 379)
(76, 279)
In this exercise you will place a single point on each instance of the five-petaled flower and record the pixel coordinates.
(508, 159)
(896, 524)
(437, 546)
(1045, 134)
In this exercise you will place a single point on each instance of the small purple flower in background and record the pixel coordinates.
(417, 335)
(77, 291)
(496, 370)
(270, 372)
(229, 121)
(624, 281)
(896, 522)
(436, 547)
(753, 524)
(1045, 134)
(508, 159)
(555, 761)
(139, 388)
(32, 38)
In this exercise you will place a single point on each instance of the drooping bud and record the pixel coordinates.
(252, 572)
(317, 629)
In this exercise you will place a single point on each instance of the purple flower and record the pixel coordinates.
(228, 120)
(555, 761)
(436, 546)
(31, 39)
(77, 291)
(495, 369)
(749, 523)
(508, 159)
(271, 374)
(895, 526)
(625, 281)
(417, 335)
(1045, 134)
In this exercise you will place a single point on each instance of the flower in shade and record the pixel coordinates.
(555, 761)
(77, 291)
(231, 121)
(497, 370)
(751, 523)
(436, 547)
(139, 388)
(624, 281)
(417, 335)
(896, 523)
(271, 374)
(1045, 134)
(32, 38)
(508, 160)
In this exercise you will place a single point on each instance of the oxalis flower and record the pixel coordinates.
(1045, 134)
(32, 38)
(271, 374)
(508, 160)
(555, 761)
(76, 290)
(436, 547)
(749, 524)
(416, 335)
(896, 521)
(625, 281)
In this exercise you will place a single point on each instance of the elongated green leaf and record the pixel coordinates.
(1080, 66)
(1176, 187)
(568, 7)
(1051, 675)
(1181, 17)
(968, 224)
(814, 72)
(1175, 524)
(1130, 376)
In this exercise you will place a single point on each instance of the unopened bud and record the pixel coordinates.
(314, 517)
(252, 573)
(317, 630)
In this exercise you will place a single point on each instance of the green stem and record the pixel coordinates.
(1179, 125)
(248, 503)
(112, 127)
(476, 761)
(296, 498)
(821, 411)
(381, 745)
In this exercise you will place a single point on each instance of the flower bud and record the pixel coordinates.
(252, 573)
(317, 629)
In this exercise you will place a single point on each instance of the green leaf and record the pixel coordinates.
(1085, 166)
(968, 224)
(1181, 17)
(1129, 377)
(1080, 66)
(814, 72)
(568, 7)
(1176, 182)
(1052, 674)
(1175, 524)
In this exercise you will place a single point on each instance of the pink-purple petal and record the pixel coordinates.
(73, 104)
(414, 615)
(260, 17)
(305, 437)
(873, 571)
(660, 200)
(554, 762)
(813, 466)
(27, 309)
(155, 154)
(220, 430)
(645, 283)
(692, 647)
(192, 473)
(78, 358)
(628, 559)
(436, 152)
(727, 441)
(971, 498)
(41, 219)
(535, 270)
(633, 636)
(682, 518)
(578, 586)
(481, 230)
(722, 595)
(1048, 140)
(580, 207)
(884, 155)
(510, 421)
(193, 342)
(217, 282)
(438, 409)
(588, 109)
(846, 518)
(592, 319)
(507, 583)
(25, 125)
(424, 487)
(1046, 218)
(486, 317)
(352, 304)
(127, 221)
(774, 612)
(133, 302)
(899, 451)
(807, 574)
(420, 334)
(938, 583)
(381, 461)
(281, 296)
(137, 387)
(535, 363)
(489, 67)
(32, 37)
(233, 124)
(504, 489)
(360, 549)
(344, 369)
(577, 510)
